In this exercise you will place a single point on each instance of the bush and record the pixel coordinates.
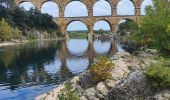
(7, 32)
(154, 31)
(159, 74)
(69, 93)
(77, 35)
(100, 69)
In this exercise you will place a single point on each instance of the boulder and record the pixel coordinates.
(161, 95)
(86, 80)
(131, 88)
(83, 98)
(101, 88)
(91, 94)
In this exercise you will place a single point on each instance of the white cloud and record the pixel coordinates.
(50, 8)
(75, 9)
(125, 7)
(26, 5)
(101, 25)
(76, 25)
(102, 7)
(144, 4)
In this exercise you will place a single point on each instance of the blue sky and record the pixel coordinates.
(76, 8)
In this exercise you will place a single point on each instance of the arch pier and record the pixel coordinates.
(113, 18)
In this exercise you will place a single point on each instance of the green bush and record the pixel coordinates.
(7, 32)
(69, 93)
(154, 31)
(100, 69)
(159, 74)
(77, 35)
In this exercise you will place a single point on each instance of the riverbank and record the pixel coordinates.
(128, 80)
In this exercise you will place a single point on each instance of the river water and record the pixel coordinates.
(31, 69)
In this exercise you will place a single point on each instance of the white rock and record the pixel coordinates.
(102, 88)
(90, 94)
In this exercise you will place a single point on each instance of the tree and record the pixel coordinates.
(5, 30)
(154, 29)
(127, 26)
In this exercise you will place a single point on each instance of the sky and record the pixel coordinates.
(76, 8)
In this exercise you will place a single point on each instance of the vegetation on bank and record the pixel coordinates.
(69, 93)
(127, 26)
(154, 30)
(100, 69)
(7, 32)
(101, 32)
(159, 74)
(29, 24)
(77, 34)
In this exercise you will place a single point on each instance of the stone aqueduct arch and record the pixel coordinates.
(90, 19)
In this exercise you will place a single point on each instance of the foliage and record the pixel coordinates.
(154, 29)
(101, 31)
(69, 93)
(159, 74)
(100, 69)
(7, 32)
(127, 26)
(77, 34)
(29, 20)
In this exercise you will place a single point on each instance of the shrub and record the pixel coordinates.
(159, 74)
(5, 30)
(100, 69)
(69, 93)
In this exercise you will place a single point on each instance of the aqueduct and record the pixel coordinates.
(89, 20)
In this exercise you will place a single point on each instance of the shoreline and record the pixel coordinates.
(127, 75)
(125, 64)
(9, 43)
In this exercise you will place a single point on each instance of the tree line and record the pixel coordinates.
(24, 21)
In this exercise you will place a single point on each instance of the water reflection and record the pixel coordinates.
(24, 66)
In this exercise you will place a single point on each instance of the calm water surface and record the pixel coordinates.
(29, 70)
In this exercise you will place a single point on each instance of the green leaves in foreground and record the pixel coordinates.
(69, 93)
(159, 74)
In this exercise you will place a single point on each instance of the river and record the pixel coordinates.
(28, 70)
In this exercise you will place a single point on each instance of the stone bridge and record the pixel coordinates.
(89, 20)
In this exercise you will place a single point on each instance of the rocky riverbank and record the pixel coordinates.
(128, 81)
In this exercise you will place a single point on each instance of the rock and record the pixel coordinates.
(133, 87)
(74, 81)
(120, 70)
(114, 57)
(99, 95)
(83, 98)
(86, 80)
(91, 94)
(110, 83)
(162, 95)
(102, 88)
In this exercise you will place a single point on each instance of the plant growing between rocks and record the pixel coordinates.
(159, 74)
(69, 93)
(100, 69)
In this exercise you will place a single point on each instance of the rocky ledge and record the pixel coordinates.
(128, 81)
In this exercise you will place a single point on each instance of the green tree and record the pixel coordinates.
(5, 30)
(154, 29)
(127, 26)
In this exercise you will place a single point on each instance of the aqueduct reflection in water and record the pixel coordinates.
(48, 62)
